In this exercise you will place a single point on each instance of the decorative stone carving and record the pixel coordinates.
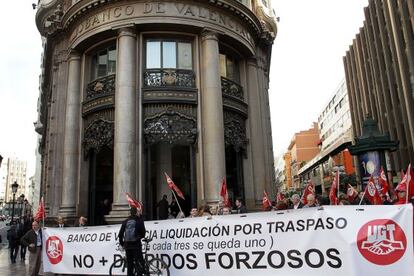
(170, 126)
(235, 132)
(54, 21)
(98, 134)
(180, 78)
(230, 88)
(101, 86)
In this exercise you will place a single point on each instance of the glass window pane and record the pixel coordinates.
(112, 60)
(223, 71)
(102, 59)
(169, 56)
(93, 67)
(230, 69)
(153, 54)
(185, 57)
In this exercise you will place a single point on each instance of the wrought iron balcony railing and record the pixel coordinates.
(178, 78)
(99, 87)
(231, 88)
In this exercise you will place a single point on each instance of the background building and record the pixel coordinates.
(302, 148)
(287, 158)
(133, 89)
(335, 126)
(379, 69)
(15, 171)
(280, 178)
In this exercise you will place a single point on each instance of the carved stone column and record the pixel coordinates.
(212, 118)
(125, 125)
(71, 148)
(256, 131)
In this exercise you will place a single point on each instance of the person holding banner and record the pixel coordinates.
(240, 208)
(296, 203)
(33, 241)
(130, 235)
(310, 199)
(163, 208)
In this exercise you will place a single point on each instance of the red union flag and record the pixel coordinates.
(266, 201)
(133, 202)
(40, 212)
(223, 193)
(332, 193)
(371, 192)
(309, 190)
(407, 183)
(280, 197)
(173, 187)
(382, 180)
(351, 193)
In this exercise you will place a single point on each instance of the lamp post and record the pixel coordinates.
(14, 190)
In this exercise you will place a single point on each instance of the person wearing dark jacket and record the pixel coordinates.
(13, 238)
(33, 240)
(130, 235)
(240, 208)
(163, 208)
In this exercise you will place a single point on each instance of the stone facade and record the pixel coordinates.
(132, 89)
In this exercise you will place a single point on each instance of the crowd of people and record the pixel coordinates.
(171, 210)
(296, 202)
(16, 231)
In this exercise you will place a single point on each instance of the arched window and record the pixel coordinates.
(229, 67)
(103, 62)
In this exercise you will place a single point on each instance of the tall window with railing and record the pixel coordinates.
(103, 62)
(102, 73)
(168, 63)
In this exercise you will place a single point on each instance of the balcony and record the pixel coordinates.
(232, 89)
(171, 78)
(100, 94)
(233, 97)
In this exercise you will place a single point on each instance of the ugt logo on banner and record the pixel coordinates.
(381, 241)
(54, 249)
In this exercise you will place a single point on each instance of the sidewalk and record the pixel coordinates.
(20, 268)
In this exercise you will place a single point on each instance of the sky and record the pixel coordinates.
(307, 67)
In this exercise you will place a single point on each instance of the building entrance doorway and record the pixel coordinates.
(101, 178)
(234, 174)
(178, 162)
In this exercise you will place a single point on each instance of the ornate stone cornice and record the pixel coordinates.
(207, 34)
(127, 32)
(62, 14)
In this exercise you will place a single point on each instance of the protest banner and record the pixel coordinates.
(333, 240)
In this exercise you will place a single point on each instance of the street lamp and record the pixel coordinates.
(14, 190)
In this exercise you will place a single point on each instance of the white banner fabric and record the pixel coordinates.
(337, 240)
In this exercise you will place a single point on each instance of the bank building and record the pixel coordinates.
(132, 89)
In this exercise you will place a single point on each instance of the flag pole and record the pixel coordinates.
(407, 184)
(44, 213)
(181, 211)
(363, 196)
(339, 185)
